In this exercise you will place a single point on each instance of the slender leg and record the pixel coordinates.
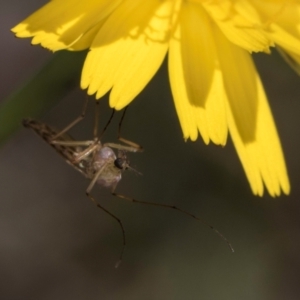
(107, 124)
(88, 190)
(132, 147)
(121, 147)
(95, 178)
(78, 155)
(86, 152)
(73, 143)
(120, 223)
(125, 141)
(96, 120)
(180, 210)
(77, 120)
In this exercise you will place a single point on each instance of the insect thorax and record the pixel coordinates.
(105, 158)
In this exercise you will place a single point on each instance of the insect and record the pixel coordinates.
(99, 162)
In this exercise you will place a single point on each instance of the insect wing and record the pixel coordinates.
(47, 133)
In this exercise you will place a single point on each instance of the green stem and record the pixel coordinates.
(45, 89)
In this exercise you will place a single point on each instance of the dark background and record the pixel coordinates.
(55, 244)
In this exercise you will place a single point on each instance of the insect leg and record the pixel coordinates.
(121, 147)
(181, 211)
(96, 122)
(77, 120)
(138, 147)
(72, 143)
(107, 124)
(131, 146)
(88, 191)
(86, 152)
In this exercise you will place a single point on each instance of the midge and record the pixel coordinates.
(98, 161)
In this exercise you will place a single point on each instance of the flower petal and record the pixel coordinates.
(282, 20)
(87, 39)
(59, 24)
(291, 58)
(238, 20)
(250, 121)
(128, 50)
(196, 79)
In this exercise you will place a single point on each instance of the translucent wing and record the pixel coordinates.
(47, 133)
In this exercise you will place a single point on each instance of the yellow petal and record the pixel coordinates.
(282, 21)
(250, 121)
(128, 50)
(238, 20)
(59, 24)
(86, 40)
(196, 79)
(291, 58)
(185, 110)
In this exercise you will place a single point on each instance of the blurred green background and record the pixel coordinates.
(54, 244)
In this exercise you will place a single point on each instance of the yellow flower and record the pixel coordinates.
(214, 82)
